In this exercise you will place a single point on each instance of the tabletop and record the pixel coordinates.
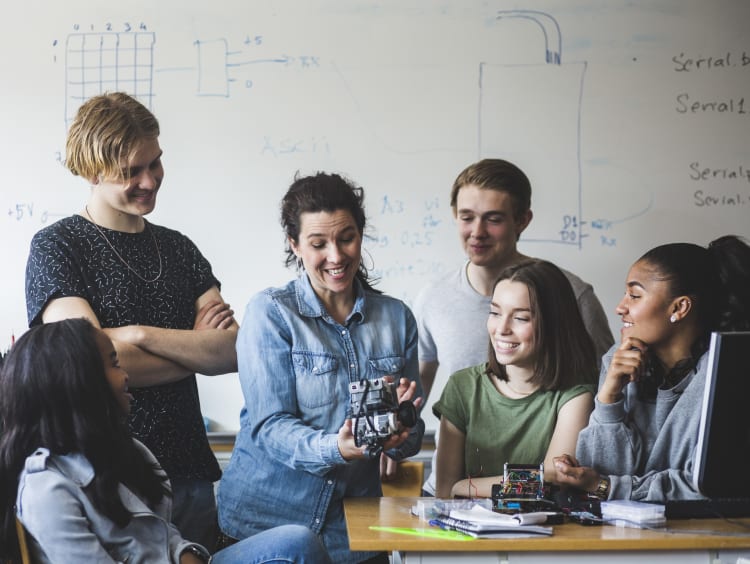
(683, 534)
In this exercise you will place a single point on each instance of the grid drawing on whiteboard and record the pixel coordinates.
(106, 62)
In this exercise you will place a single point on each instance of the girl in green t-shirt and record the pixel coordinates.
(531, 398)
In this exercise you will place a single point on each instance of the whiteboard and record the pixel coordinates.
(630, 118)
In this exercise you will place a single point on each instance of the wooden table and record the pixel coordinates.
(569, 543)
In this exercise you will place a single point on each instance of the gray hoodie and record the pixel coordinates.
(646, 447)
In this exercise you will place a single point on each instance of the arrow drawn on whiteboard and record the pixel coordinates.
(284, 60)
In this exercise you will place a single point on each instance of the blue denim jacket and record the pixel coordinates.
(295, 366)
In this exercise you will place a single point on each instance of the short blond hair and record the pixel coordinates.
(107, 129)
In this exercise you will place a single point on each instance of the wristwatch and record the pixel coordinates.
(602, 488)
(198, 552)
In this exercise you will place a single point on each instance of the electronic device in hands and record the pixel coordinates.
(376, 413)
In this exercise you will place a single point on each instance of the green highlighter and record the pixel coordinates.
(429, 533)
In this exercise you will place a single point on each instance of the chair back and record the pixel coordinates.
(22, 543)
(408, 480)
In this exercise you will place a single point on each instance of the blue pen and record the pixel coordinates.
(436, 523)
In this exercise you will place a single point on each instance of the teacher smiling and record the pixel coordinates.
(299, 349)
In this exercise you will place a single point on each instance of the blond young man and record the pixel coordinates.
(148, 287)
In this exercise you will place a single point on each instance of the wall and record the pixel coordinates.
(631, 119)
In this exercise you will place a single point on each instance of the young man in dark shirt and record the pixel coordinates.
(148, 287)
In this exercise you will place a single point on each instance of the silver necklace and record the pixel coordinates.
(512, 389)
(119, 256)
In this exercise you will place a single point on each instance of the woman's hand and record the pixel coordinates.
(406, 390)
(189, 558)
(388, 468)
(569, 473)
(348, 449)
(626, 366)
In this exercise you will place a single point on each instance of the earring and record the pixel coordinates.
(673, 318)
(300, 266)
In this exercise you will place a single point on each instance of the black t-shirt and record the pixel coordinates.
(70, 258)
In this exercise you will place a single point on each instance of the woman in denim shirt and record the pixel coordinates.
(299, 349)
(70, 471)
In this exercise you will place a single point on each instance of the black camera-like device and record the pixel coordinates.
(376, 413)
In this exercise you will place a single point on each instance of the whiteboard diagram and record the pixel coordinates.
(514, 95)
(507, 97)
(215, 60)
(630, 119)
(376, 97)
(100, 62)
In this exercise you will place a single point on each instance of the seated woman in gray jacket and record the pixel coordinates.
(641, 438)
(70, 472)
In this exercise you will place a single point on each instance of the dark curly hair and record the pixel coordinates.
(322, 192)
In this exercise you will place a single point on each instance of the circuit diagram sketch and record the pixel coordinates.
(218, 66)
(510, 96)
(109, 61)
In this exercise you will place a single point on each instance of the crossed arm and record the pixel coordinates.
(155, 355)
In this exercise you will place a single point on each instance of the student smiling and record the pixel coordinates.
(148, 287)
(491, 203)
(71, 472)
(532, 396)
(641, 438)
(300, 348)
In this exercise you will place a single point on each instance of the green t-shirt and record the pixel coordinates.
(499, 429)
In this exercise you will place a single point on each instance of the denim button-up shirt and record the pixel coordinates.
(295, 366)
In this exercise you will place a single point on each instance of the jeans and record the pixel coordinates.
(281, 545)
(194, 511)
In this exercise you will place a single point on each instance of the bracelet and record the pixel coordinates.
(201, 554)
(602, 488)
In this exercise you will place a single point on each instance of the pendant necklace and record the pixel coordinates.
(119, 256)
